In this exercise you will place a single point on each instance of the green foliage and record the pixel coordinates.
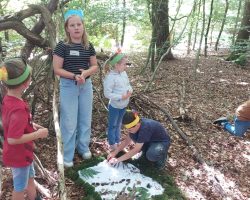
(75, 4)
(239, 52)
(72, 173)
(241, 60)
(88, 173)
(171, 190)
(141, 193)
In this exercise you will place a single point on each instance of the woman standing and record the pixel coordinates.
(75, 61)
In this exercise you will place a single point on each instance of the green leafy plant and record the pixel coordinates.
(88, 173)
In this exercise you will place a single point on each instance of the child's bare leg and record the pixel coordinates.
(17, 195)
(31, 189)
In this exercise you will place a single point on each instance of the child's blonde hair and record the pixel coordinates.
(85, 41)
(112, 61)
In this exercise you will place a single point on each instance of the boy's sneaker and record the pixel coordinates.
(87, 155)
(68, 164)
(160, 164)
(220, 120)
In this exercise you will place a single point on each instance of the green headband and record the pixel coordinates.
(20, 79)
(116, 59)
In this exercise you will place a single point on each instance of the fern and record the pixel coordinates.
(88, 173)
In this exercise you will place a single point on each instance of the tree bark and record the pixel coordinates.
(222, 25)
(236, 22)
(242, 41)
(160, 13)
(197, 58)
(208, 26)
(38, 28)
(245, 24)
(197, 24)
(190, 32)
(123, 22)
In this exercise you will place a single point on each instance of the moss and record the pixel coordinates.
(171, 190)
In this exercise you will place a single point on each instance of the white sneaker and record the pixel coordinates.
(68, 164)
(87, 155)
(113, 147)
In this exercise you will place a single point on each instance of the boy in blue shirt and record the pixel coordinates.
(149, 136)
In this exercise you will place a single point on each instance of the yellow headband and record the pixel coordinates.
(133, 123)
(3, 74)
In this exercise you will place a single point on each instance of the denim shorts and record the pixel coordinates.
(21, 176)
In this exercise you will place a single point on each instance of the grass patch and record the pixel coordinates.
(171, 191)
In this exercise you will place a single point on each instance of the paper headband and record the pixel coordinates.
(3, 74)
(133, 123)
(14, 81)
(116, 59)
(73, 12)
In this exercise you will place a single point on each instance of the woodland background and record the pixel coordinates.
(189, 66)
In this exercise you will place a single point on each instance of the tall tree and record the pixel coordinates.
(244, 32)
(123, 22)
(236, 22)
(160, 12)
(190, 32)
(208, 26)
(160, 40)
(197, 24)
(222, 25)
(242, 42)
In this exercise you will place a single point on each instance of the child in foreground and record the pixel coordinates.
(19, 129)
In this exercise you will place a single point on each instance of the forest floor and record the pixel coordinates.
(215, 89)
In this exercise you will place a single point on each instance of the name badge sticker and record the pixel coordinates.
(74, 53)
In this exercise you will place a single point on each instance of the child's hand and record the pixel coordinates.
(80, 79)
(37, 126)
(42, 132)
(113, 161)
(127, 95)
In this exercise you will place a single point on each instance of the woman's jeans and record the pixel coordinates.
(239, 128)
(114, 124)
(75, 116)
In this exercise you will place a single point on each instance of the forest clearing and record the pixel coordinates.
(220, 86)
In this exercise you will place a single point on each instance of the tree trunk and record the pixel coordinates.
(197, 24)
(123, 22)
(161, 24)
(208, 26)
(222, 25)
(245, 24)
(236, 22)
(190, 32)
(201, 38)
(242, 41)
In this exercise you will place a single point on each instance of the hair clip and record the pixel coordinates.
(3, 73)
(119, 50)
